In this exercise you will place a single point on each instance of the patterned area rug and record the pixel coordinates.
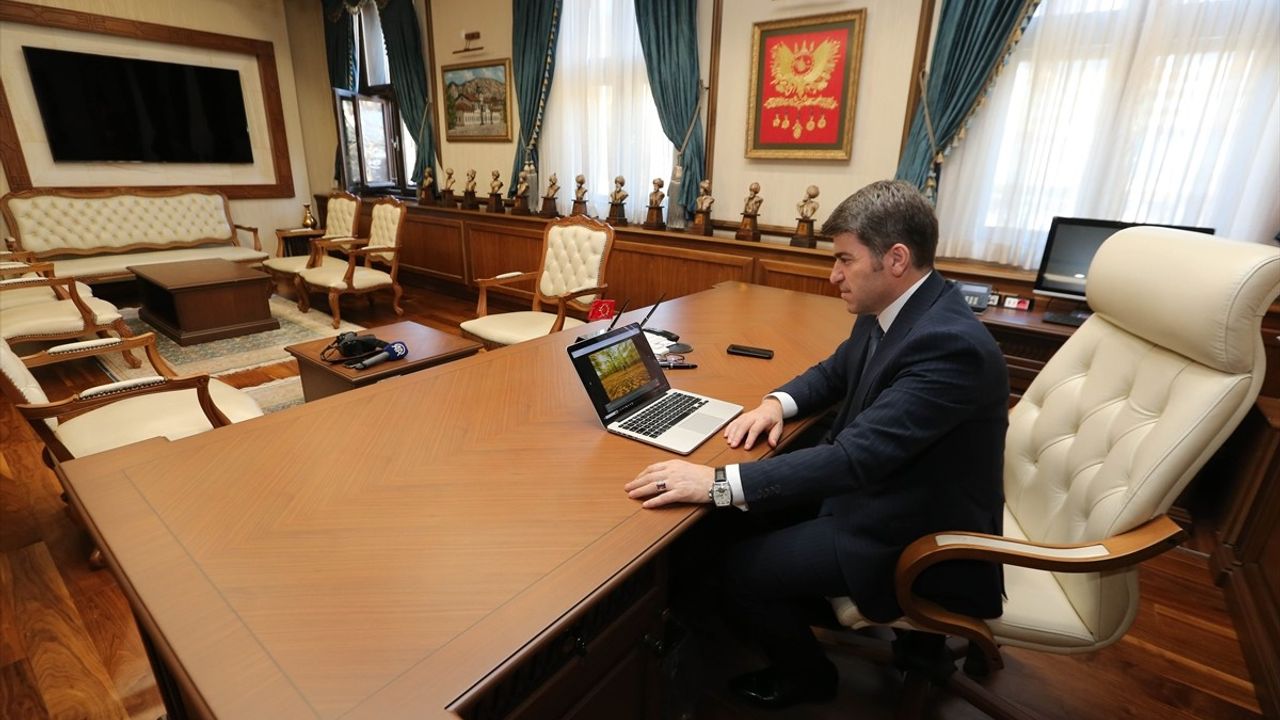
(221, 357)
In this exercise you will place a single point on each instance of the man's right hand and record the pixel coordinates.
(764, 421)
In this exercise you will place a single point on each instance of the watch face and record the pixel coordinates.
(720, 492)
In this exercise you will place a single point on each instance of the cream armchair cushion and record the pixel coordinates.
(1123, 416)
(331, 276)
(340, 216)
(52, 317)
(115, 264)
(26, 296)
(575, 255)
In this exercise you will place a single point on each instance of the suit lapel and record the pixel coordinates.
(916, 307)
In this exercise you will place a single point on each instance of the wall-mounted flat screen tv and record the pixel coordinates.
(103, 108)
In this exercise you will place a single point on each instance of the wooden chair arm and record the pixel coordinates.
(102, 346)
(257, 244)
(63, 287)
(562, 304)
(17, 255)
(78, 405)
(1119, 551)
(483, 284)
(17, 268)
(11, 244)
(375, 250)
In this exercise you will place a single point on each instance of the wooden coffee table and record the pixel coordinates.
(427, 347)
(201, 300)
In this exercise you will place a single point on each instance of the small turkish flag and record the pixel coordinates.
(601, 310)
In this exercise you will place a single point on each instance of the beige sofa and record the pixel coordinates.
(95, 235)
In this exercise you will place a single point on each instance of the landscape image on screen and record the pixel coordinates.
(620, 369)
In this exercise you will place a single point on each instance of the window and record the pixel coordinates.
(1161, 111)
(601, 120)
(377, 147)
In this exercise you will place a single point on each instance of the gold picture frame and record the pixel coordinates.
(804, 86)
(477, 101)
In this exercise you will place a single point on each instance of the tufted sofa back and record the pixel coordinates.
(1141, 395)
(71, 222)
(574, 257)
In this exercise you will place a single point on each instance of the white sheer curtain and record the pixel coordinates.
(601, 120)
(1163, 111)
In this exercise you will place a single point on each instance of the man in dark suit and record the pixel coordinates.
(916, 447)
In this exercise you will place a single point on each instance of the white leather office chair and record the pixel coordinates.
(118, 414)
(1106, 437)
(338, 279)
(342, 212)
(575, 255)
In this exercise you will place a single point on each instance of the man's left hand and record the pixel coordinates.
(672, 481)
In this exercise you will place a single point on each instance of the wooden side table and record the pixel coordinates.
(295, 241)
(427, 347)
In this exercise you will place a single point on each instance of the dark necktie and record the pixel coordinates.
(873, 342)
(842, 416)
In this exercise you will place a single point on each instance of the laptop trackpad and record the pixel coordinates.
(700, 423)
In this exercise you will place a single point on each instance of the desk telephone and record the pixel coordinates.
(977, 295)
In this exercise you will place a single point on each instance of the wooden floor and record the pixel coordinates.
(69, 648)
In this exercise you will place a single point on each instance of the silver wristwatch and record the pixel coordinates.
(721, 494)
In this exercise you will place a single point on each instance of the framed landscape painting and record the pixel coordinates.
(804, 86)
(477, 101)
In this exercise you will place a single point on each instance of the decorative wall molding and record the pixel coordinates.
(15, 164)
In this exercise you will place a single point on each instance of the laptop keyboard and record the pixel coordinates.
(660, 416)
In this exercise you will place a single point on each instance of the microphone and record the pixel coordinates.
(393, 351)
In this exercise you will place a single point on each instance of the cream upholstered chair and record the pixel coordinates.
(110, 416)
(337, 279)
(51, 308)
(342, 212)
(575, 255)
(1101, 444)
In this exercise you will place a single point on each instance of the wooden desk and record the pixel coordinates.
(426, 546)
(427, 347)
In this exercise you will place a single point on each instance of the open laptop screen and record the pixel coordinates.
(618, 370)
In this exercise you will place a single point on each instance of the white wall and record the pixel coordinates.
(887, 51)
(258, 19)
(451, 18)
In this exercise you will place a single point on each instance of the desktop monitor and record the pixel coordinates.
(1070, 248)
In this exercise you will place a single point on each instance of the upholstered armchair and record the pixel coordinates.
(338, 279)
(1100, 445)
(575, 255)
(34, 307)
(117, 414)
(341, 215)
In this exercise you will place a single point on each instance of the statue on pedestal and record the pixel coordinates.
(495, 193)
(469, 192)
(521, 206)
(580, 196)
(446, 190)
(748, 228)
(806, 209)
(426, 189)
(618, 214)
(702, 209)
(653, 219)
(549, 200)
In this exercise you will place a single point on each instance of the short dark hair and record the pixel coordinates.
(888, 212)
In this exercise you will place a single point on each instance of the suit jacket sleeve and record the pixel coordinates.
(933, 389)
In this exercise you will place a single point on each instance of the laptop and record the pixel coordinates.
(633, 398)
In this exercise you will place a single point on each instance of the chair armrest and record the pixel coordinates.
(374, 250)
(18, 268)
(63, 287)
(103, 346)
(257, 244)
(1119, 551)
(11, 244)
(17, 255)
(483, 284)
(338, 243)
(103, 395)
(562, 303)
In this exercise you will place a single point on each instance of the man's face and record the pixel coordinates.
(859, 275)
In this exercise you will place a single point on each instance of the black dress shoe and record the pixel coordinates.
(769, 688)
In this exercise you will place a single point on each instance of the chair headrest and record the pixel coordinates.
(1197, 295)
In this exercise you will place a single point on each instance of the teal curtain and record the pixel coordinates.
(409, 78)
(535, 26)
(341, 57)
(669, 38)
(971, 37)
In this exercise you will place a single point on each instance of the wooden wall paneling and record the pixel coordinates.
(493, 249)
(642, 272)
(434, 246)
(795, 276)
(15, 164)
